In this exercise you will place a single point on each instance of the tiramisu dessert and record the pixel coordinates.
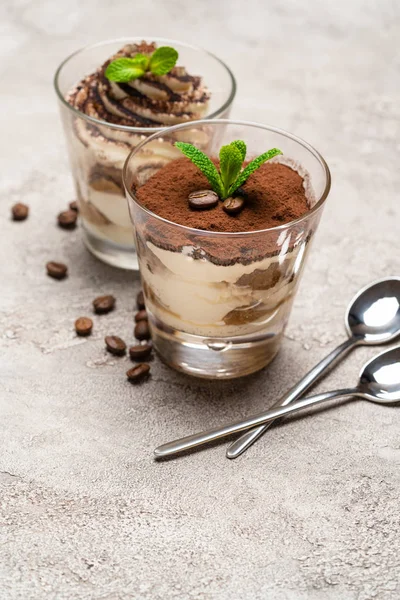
(141, 86)
(208, 266)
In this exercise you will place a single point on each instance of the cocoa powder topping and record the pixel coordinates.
(275, 195)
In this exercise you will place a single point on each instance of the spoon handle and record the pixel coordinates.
(237, 447)
(204, 437)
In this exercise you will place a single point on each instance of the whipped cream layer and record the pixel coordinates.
(202, 298)
(149, 101)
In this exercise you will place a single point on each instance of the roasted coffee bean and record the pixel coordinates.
(203, 199)
(83, 326)
(67, 219)
(115, 345)
(141, 316)
(138, 373)
(140, 301)
(56, 270)
(233, 205)
(20, 211)
(140, 351)
(74, 206)
(142, 331)
(103, 304)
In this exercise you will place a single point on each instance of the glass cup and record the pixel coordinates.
(97, 149)
(218, 303)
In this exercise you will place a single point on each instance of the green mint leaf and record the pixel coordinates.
(123, 70)
(251, 167)
(230, 163)
(142, 61)
(205, 165)
(163, 60)
(241, 146)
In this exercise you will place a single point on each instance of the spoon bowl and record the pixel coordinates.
(380, 378)
(373, 316)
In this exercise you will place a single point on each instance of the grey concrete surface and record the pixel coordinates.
(312, 511)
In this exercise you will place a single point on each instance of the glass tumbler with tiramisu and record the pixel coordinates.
(222, 235)
(115, 94)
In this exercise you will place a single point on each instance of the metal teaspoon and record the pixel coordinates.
(372, 318)
(379, 382)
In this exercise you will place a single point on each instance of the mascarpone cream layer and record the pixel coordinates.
(122, 236)
(195, 295)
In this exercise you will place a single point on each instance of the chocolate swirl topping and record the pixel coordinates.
(150, 101)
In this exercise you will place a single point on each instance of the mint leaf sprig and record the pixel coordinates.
(230, 175)
(123, 70)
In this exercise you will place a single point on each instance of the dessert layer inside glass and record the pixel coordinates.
(231, 278)
(99, 151)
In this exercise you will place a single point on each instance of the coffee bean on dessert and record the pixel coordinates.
(56, 270)
(103, 304)
(73, 206)
(20, 211)
(115, 345)
(140, 351)
(142, 331)
(141, 316)
(140, 301)
(83, 326)
(233, 205)
(138, 373)
(67, 219)
(203, 199)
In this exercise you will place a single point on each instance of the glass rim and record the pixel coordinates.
(314, 209)
(124, 40)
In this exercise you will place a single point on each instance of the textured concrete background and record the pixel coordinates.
(312, 511)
